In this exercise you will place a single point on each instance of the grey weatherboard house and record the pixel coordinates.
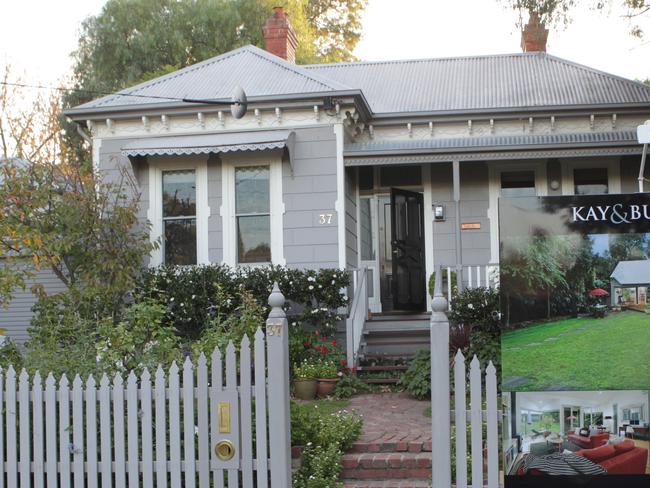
(387, 168)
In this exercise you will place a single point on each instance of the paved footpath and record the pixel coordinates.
(392, 422)
(394, 450)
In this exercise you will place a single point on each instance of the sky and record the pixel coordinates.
(37, 36)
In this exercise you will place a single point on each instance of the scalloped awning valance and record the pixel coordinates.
(211, 143)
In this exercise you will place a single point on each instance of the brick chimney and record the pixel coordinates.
(534, 35)
(279, 36)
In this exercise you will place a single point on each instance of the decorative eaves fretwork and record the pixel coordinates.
(353, 125)
(489, 156)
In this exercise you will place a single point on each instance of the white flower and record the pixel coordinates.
(470, 306)
(311, 278)
(311, 287)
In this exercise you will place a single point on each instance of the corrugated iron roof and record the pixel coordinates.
(510, 81)
(632, 272)
(210, 143)
(521, 81)
(489, 143)
(257, 71)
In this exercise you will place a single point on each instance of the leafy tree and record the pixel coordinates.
(56, 214)
(554, 12)
(85, 230)
(537, 267)
(131, 41)
(626, 247)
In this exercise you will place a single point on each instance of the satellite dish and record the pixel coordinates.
(239, 103)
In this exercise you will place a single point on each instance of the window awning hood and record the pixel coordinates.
(211, 143)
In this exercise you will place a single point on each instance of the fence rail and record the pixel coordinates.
(206, 425)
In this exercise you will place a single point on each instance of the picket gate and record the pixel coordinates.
(464, 416)
(156, 432)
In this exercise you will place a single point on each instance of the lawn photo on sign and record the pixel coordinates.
(575, 303)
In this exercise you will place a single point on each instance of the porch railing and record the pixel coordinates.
(358, 314)
(473, 275)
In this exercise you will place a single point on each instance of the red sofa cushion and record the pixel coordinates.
(598, 454)
(589, 442)
(624, 446)
(630, 462)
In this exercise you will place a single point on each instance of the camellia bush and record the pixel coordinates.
(193, 295)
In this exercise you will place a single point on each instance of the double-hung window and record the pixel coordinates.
(253, 214)
(179, 217)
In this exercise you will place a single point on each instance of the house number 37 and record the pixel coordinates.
(325, 218)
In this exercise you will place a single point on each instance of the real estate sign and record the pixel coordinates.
(575, 286)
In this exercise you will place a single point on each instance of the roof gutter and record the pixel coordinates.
(294, 99)
(510, 112)
(479, 149)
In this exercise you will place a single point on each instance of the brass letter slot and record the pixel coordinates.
(224, 417)
(225, 450)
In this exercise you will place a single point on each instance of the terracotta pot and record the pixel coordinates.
(326, 386)
(304, 389)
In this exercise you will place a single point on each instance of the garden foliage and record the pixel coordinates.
(194, 295)
(325, 438)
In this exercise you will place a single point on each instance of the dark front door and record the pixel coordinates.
(407, 242)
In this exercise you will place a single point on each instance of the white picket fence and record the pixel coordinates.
(155, 432)
(464, 415)
(475, 416)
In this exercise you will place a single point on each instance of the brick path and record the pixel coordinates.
(395, 446)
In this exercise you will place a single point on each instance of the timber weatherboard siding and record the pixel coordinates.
(308, 193)
(16, 318)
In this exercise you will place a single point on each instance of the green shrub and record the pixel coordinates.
(417, 379)
(222, 328)
(64, 332)
(305, 370)
(326, 369)
(193, 294)
(478, 309)
(321, 466)
(10, 355)
(350, 385)
(325, 438)
(140, 341)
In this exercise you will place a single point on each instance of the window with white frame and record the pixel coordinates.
(253, 214)
(179, 217)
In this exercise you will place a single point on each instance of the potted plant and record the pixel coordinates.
(328, 377)
(304, 383)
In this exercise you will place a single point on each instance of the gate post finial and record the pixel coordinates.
(439, 302)
(276, 302)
